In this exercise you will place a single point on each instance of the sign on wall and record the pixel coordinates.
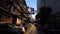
(31, 10)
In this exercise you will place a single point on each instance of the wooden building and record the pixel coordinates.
(13, 11)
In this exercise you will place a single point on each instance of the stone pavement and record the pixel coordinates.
(31, 29)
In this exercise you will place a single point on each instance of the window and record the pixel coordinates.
(6, 18)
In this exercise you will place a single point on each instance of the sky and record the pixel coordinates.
(32, 3)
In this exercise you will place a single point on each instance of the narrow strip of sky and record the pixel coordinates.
(32, 3)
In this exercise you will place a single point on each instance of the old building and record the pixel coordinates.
(13, 11)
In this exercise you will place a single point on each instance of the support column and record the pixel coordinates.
(14, 20)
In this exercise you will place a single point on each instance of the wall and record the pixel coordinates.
(40, 3)
(54, 4)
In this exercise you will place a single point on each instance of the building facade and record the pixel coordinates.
(13, 11)
(54, 4)
(54, 20)
(40, 3)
